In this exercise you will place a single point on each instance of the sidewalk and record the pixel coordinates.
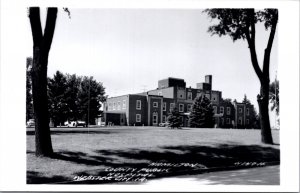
(268, 175)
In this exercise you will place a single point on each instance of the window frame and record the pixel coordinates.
(227, 120)
(190, 95)
(228, 110)
(136, 118)
(222, 109)
(138, 107)
(164, 106)
(124, 104)
(155, 114)
(181, 105)
(172, 106)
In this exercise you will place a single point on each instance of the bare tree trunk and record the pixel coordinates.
(41, 48)
(263, 103)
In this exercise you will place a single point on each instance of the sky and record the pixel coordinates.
(129, 50)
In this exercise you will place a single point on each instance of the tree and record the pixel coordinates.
(71, 96)
(174, 119)
(29, 106)
(202, 113)
(90, 98)
(41, 47)
(58, 106)
(240, 24)
(274, 96)
(246, 100)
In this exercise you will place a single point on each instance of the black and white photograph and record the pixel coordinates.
(154, 96)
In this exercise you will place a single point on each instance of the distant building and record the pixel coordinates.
(152, 107)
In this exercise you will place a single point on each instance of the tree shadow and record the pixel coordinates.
(221, 157)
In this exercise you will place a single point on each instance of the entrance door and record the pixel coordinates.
(155, 119)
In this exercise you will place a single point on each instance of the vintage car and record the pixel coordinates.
(30, 123)
(75, 123)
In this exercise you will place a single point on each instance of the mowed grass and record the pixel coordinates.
(88, 150)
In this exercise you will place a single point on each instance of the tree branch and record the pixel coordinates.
(251, 44)
(50, 26)
(269, 47)
(35, 22)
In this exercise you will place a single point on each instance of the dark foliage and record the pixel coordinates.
(202, 113)
(174, 119)
(274, 96)
(29, 102)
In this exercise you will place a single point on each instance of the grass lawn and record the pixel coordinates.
(96, 151)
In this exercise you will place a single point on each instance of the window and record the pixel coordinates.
(214, 99)
(138, 118)
(247, 111)
(119, 105)
(124, 104)
(138, 104)
(164, 118)
(247, 121)
(181, 107)
(172, 105)
(155, 104)
(228, 121)
(159, 93)
(222, 121)
(240, 110)
(164, 106)
(189, 95)
(240, 120)
(189, 106)
(154, 118)
(109, 106)
(215, 109)
(114, 107)
(222, 110)
(228, 110)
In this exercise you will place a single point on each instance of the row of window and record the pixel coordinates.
(190, 96)
(138, 118)
(117, 105)
(240, 121)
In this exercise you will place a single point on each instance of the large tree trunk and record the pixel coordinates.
(263, 103)
(43, 143)
(41, 48)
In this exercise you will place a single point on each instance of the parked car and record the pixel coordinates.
(30, 123)
(75, 123)
(165, 124)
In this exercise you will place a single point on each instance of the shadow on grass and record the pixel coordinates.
(66, 131)
(214, 158)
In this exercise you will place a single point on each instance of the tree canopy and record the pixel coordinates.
(75, 98)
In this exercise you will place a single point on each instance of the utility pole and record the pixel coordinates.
(89, 96)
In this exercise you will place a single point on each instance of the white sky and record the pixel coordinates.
(131, 49)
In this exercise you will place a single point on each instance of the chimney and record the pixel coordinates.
(208, 79)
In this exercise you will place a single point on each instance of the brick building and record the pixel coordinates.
(152, 107)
